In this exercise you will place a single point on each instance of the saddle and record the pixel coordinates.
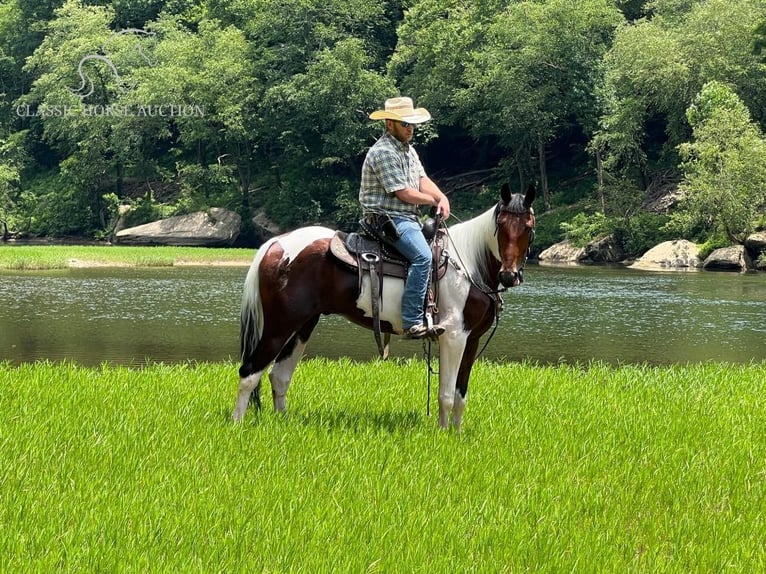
(371, 256)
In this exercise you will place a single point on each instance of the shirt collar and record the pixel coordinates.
(405, 147)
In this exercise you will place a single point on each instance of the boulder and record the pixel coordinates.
(734, 258)
(604, 250)
(561, 253)
(263, 228)
(679, 255)
(756, 241)
(212, 228)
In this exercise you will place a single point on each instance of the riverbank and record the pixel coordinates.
(41, 257)
(630, 468)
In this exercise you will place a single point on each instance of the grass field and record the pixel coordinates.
(559, 469)
(37, 257)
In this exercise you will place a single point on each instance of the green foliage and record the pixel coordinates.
(641, 232)
(724, 186)
(9, 191)
(548, 229)
(657, 65)
(584, 228)
(635, 234)
(279, 93)
(49, 207)
(711, 243)
(143, 210)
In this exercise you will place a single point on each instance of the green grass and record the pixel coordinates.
(558, 469)
(37, 257)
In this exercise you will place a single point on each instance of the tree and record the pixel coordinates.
(724, 186)
(9, 178)
(71, 81)
(318, 128)
(521, 73)
(656, 66)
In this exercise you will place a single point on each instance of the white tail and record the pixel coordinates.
(251, 317)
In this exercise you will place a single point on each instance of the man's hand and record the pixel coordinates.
(443, 208)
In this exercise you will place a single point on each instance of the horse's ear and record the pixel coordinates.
(529, 197)
(505, 193)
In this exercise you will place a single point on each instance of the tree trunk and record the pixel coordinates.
(543, 174)
(600, 178)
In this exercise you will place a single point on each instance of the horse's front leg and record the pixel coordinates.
(461, 387)
(451, 348)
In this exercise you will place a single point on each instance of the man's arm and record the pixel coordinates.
(428, 187)
(428, 194)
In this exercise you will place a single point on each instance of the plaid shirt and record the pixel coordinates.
(390, 165)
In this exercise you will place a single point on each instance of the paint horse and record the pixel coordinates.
(294, 279)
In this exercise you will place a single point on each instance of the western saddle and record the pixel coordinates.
(371, 255)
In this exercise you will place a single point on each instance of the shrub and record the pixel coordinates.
(641, 232)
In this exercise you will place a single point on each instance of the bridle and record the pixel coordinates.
(506, 208)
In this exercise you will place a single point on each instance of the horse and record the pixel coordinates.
(294, 279)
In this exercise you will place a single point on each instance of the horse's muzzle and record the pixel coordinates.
(512, 278)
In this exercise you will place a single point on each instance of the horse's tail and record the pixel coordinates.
(251, 317)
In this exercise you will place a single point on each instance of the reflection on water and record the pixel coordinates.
(131, 316)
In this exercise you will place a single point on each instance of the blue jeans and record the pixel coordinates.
(413, 245)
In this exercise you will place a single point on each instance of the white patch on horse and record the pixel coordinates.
(452, 299)
(390, 304)
(294, 242)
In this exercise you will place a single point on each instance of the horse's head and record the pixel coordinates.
(515, 230)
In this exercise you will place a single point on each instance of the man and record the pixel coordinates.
(394, 183)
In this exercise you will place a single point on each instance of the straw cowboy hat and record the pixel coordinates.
(401, 109)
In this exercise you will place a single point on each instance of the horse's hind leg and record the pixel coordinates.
(247, 384)
(285, 364)
(273, 345)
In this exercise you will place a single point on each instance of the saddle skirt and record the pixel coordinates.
(357, 250)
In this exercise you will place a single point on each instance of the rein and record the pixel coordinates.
(493, 294)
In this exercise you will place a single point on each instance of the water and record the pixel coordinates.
(134, 316)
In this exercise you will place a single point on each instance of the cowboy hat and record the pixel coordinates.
(401, 109)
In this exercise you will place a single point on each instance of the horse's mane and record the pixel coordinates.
(473, 242)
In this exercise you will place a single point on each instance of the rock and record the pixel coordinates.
(679, 255)
(604, 250)
(561, 253)
(215, 227)
(756, 241)
(263, 228)
(734, 258)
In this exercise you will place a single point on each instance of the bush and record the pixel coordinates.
(144, 210)
(713, 242)
(582, 228)
(548, 227)
(641, 232)
(51, 207)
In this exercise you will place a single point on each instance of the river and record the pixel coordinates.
(560, 314)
